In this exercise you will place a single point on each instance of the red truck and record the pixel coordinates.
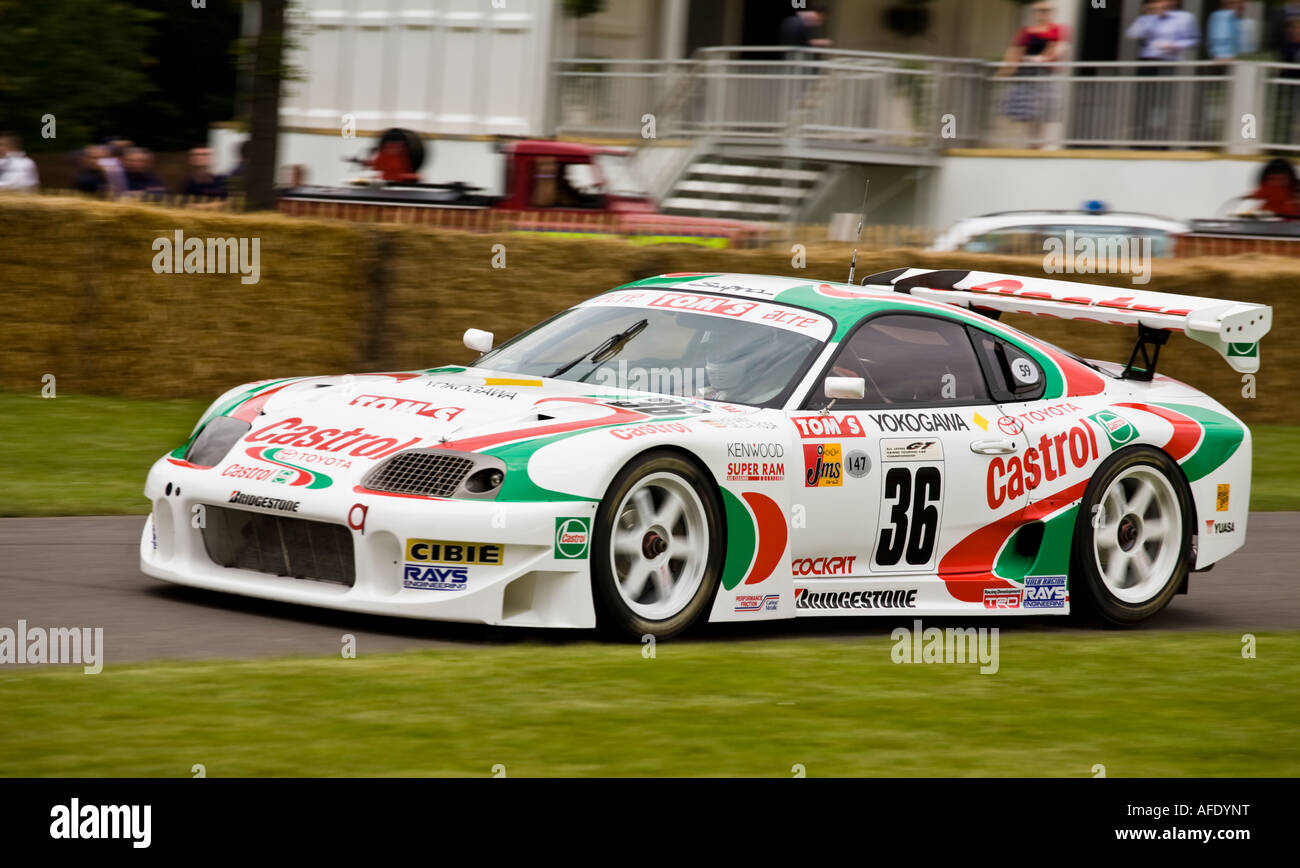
(552, 187)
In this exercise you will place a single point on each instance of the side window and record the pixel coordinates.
(1012, 374)
(911, 360)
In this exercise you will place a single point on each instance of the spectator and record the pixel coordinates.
(17, 171)
(201, 182)
(1278, 190)
(1227, 33)
(237, 180)
(1280, 37)
(1041, 42)
(90, 176)
(141, 180)
(111, 163)
(1163, 33)
(798, 28)
(1289, 98)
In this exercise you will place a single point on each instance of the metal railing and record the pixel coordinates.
(899, 102)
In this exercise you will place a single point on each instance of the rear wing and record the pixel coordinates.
(1232, 328)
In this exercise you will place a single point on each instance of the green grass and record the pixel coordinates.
(1275, 480)
(79, 455)
(1155, 704)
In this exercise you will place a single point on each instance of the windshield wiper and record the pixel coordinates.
(611, 347)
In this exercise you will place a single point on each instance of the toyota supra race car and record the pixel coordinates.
(730, 447)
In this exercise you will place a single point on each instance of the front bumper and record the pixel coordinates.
(532, 586)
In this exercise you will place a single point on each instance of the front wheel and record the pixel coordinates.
(1134, 536)
(657, 547)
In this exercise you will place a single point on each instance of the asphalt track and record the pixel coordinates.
(83, 572)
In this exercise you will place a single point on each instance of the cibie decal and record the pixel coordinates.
(572, 538)
(289, 474)
(428, 551)
(1117, 428)
(823, 465)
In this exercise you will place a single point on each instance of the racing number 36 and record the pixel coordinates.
(913, 518)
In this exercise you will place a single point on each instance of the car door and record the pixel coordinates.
(901, 475)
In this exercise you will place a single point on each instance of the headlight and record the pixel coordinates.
(215, 440)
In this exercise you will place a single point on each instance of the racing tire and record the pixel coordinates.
(1133, 537)
(657, 547)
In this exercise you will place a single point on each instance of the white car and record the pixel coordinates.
(732, 447)
(1024, 232)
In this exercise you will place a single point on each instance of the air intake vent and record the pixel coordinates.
(295, 547)
(423, 472)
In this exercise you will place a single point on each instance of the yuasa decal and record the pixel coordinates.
(1213, 527)
(406, 405)
(1054, 457)
(823, 465)
(355, 442)
(831, 427)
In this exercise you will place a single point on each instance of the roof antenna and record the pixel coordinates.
(853, 263)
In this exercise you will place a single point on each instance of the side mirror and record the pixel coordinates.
(478, 340)
(846, 388)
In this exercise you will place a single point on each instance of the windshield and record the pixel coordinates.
(729, 354)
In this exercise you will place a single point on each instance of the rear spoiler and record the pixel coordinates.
(1232, 328)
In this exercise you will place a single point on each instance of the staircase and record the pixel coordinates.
(755, 189)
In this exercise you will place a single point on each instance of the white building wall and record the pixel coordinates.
(453, 67)
(966, 186)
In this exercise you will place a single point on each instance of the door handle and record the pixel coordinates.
(993, 447)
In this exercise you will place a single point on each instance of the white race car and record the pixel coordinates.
(733, 447)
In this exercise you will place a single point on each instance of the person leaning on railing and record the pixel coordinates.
(1042, 42)
(1278, 190)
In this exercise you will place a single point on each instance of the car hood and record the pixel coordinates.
(350, 422)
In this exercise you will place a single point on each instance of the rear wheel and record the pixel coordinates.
(1134, 536)
(656, 551)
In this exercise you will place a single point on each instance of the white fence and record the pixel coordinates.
(884, 102)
